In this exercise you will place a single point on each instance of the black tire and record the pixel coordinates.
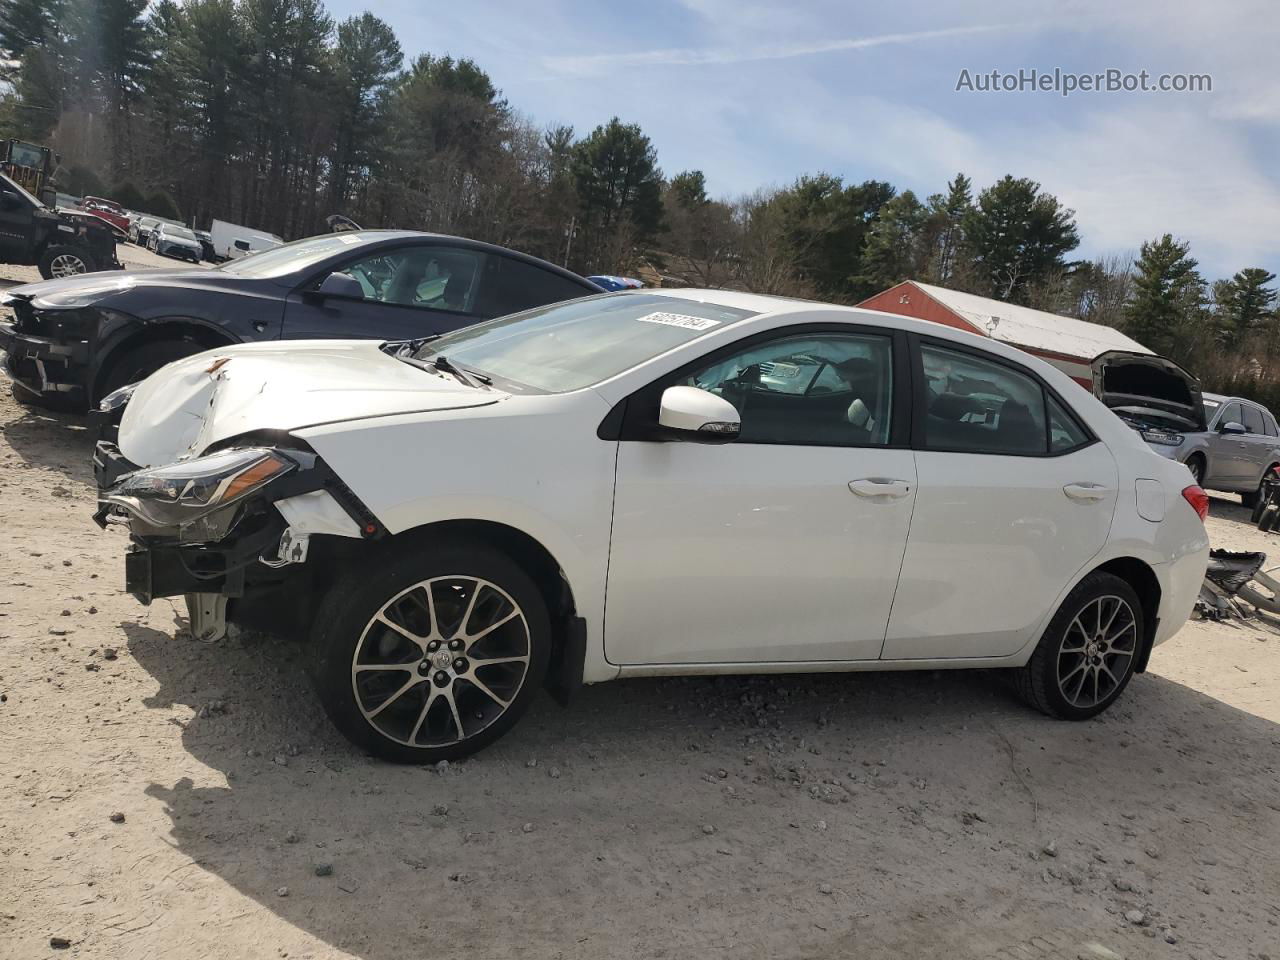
(408, 716)
(1252, 499)
(1196, 465)
(1269, 519)
(140, 362)
(61, 257)
(1038, 683)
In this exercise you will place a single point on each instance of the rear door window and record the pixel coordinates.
(972, 405)
(512, 285)
(1253, 420)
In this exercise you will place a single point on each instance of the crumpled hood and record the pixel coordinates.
(183, 408)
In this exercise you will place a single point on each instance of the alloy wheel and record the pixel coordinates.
(1097, 651)
(66, 265)
(441, 661)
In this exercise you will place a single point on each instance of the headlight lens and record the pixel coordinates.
(118, 398)
(1166, 437)
(182, 493)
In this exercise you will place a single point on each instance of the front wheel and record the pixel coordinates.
(64, 260)
(430, 655)
(1088, 653)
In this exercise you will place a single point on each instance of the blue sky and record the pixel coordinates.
(754, 95)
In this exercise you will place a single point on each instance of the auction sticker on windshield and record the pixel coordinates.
(680, 320)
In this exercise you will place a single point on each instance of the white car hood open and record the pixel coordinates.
(182, 409)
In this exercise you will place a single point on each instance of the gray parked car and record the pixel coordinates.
(1228, 443)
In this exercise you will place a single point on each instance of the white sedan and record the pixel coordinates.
(651, 483)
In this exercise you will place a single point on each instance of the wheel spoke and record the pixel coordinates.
(417, 641)
(1104, 630)
(474, 637)
(1074, 670)
(1112, 638)
(1084, 677)
(1066, 650)
(375, 667)
(422, 717)
(404, 688)
(471, 606)
(494, 661)
(453, 705)
(480, 685)
(1119, 652)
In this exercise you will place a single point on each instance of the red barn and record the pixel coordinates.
(1067, 343)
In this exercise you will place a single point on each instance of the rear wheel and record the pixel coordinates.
(63, 260)
(1087, 655)
(430, 656)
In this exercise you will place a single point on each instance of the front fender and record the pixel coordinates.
(534, 464)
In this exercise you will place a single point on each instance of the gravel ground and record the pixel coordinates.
(160, 797)
(133, 257)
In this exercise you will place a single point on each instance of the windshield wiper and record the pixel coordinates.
(441, 362)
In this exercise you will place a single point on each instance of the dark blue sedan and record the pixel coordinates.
(75, 340)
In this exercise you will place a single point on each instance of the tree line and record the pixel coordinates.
(271, 114)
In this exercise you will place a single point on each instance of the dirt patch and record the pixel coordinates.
(895, 815)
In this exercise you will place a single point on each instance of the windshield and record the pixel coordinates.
(13, 184)
(568, 346)
(292, 257)
(183, 232)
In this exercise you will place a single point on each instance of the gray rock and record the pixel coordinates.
(708, 829)
(59, 943)
(282, 891)
(1135, 916)
(1096, 951)
(826, 889)
(440, 810)
(554, 773)
(1050, 849)
(291, 837)
(109, 653)
(442, 766)
(527, 828)
(117, 817)
(324, 869)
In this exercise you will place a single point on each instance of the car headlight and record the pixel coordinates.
(183, 494)
(1165, 437)
(117, 399)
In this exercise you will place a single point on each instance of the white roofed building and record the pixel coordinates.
(1069, 344)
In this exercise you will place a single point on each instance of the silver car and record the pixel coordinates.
(1228, 443)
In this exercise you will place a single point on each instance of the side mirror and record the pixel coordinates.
(1231, 427)
(340, 285)
(698, 415)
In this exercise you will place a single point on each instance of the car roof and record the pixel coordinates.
(382, 236)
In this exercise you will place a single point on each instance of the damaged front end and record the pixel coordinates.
(230, 530)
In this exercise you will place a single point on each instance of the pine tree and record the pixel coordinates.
(894, 250)
(950, 213)
(1244, 302)
(1168, 291)
(1018, 236)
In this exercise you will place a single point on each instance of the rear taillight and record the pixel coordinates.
(1198, 499)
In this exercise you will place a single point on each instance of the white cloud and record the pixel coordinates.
(682, 56)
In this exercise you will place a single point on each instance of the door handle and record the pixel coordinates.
(1087, 492)
(878, 487)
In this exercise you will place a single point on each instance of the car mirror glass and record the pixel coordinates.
(695, 414)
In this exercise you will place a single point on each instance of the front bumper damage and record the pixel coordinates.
(46, 367)
(261, 572)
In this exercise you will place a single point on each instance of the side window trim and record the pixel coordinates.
(632, 418)
(920, 407)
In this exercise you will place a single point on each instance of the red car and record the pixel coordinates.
(109, 211)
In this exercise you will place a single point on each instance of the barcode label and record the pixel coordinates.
(680, 320)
